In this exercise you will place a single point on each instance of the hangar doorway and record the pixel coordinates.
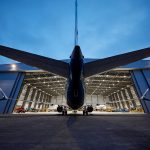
(113, 91)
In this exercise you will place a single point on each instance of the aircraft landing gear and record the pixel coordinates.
(64, 111)
(87, 109)
(85, 112)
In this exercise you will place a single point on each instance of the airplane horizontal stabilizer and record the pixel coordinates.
(103, 65)
(48, 64)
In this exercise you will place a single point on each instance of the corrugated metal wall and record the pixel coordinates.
(10, 83)
(141, 79)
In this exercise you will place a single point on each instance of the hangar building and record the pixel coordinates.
(126, 87)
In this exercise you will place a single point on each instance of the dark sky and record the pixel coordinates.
(46, 27)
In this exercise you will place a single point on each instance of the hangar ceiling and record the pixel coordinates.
(101, 84)
(46, 82)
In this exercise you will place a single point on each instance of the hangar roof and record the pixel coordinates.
(141, 64)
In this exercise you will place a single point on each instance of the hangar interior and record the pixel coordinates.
(122, 89)
(110, 91)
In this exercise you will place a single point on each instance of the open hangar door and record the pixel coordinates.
(113, 91)
(41, 92)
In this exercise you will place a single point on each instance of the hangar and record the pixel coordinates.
(123, 88)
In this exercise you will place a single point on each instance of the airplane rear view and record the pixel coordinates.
(76, 70)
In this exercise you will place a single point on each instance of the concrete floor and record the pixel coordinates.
(75, 132)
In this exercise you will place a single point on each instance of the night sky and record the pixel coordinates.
(46, 27)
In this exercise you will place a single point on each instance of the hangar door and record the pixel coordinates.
(116, 90)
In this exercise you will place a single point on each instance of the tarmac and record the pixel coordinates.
(75, 132)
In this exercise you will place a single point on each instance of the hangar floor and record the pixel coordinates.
(114, 90)
(111, 132)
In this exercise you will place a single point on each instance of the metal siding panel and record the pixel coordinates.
(146, 74)
(141, 86)
(9, 83)
(15, 92)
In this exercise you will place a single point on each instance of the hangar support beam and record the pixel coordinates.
(26, 96)
(31, 98)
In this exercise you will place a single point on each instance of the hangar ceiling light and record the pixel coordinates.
(105, 84)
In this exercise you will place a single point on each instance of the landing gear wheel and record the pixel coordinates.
(64, 112)
(83, 112)
(86, 112)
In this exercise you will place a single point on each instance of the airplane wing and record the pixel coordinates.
(102, 65)
(54, 66)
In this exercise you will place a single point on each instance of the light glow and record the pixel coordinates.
(13, 66)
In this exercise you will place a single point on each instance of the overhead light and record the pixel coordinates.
(13, 66)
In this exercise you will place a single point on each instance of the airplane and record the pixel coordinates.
(77, 70)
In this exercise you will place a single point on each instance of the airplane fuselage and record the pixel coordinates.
(75, 89)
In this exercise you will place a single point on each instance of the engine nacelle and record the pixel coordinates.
(59, 108)
(89, 108)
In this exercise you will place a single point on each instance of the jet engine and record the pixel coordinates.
(89, 108)
(62, 109)
(59, 108)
